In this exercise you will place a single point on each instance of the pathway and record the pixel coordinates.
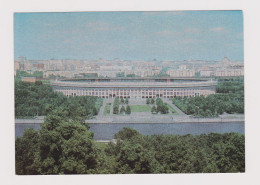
(175, 107)
(102, 108)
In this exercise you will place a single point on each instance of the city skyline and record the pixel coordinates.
(175, 35)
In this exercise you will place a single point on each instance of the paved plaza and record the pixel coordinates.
(138, 117)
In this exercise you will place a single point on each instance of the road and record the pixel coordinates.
(145, 117)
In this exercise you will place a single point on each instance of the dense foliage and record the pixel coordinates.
(230, 85)
(32, 99)
(117, 109)
(229, 99)
(20, 74)
(67, 147)
(160, 107)
(63, 146)
(134, 153)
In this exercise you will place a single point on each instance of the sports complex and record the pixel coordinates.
(139, 88)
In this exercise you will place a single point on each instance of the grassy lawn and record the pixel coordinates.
(171, 109)
(101, 146)
(140, 108)
(107, 109)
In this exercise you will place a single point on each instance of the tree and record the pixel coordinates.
(122, 100)
(65, 146)
(133, 158)
(38, 83)
(116, 106)
(39, 99)
(26, 148)
(163, 109)
(115, 109)
(122, 110)
(153, 109)
(127, 134)
(128, 109)
(148, 101)
(152, 101)
(126, 101)
(120, 74)
(159, 101)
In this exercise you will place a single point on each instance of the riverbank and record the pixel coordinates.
(153, 119)
(165, 119)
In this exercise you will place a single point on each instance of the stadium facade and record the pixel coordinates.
(136, 87)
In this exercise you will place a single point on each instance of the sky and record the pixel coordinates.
(172, 35)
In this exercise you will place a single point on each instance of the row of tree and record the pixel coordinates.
(230, 85)
(123, 110)
(229, 99)
(32, 99)
(149, 101)
(116, 106)
(212, 105)
(122, 74)
(124, 101)
(20, 74)
(160, 107)
(66, 146)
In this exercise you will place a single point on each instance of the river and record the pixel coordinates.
(106, 131)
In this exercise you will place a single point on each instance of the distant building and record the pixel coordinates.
(142, 72)
(207, 73)
(28, 79)
(38, 66)
(225, 61)
(229, 72)
(181, 73)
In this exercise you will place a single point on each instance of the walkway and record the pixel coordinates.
(139, 117)
(102, 108)
(174, 107)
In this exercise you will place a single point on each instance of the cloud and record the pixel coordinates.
(218, 30)
(191, 30)
(169, 33)
(103, 26)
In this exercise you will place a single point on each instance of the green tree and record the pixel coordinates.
(116, 106)
(159, 101)
(26, 148)
(127, 134)
(126, 101)
(148, 101)
(153, 109)
(133, 158)
(121, 74)
(122, 110)
(152, 101)
(39, 99)
(164, 109)
(65, 146)
(128, 109)
(122, 100)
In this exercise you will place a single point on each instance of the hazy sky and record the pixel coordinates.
(181, 35)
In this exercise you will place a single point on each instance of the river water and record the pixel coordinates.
(106, 131)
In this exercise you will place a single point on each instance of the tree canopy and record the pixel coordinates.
(32, 99)
(65, 146)
(229, 98)
(62, 146)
